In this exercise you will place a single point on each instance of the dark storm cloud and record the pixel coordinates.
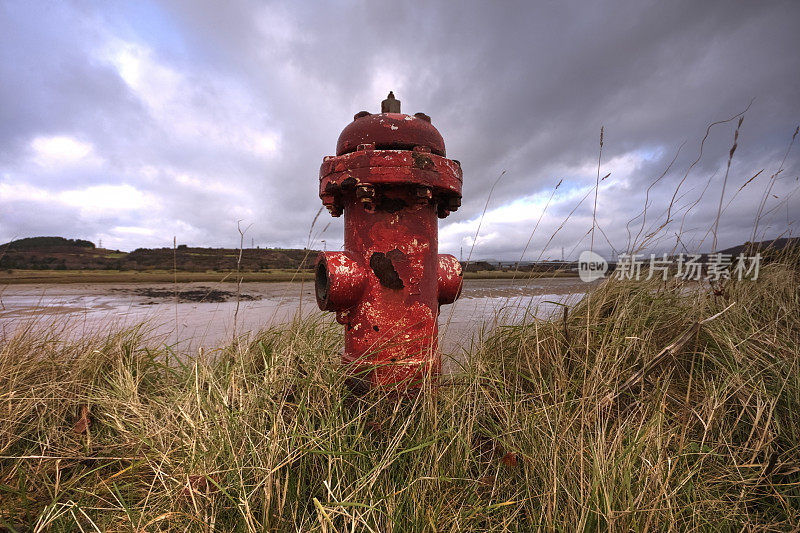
(218, 114)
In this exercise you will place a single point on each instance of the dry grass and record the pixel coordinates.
(548, 425)
(650, 406)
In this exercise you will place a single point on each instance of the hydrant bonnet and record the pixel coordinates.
(390, 131)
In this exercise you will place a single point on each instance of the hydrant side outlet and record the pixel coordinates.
(391, 180)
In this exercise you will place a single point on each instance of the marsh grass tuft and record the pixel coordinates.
(100, 434)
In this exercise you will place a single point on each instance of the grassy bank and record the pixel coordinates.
(167, 276)
(628, 414)
(511, 274)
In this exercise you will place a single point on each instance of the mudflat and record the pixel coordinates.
(195, 314)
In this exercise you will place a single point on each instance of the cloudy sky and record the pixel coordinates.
(133, 122)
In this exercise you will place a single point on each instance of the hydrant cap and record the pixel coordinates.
(390, 131)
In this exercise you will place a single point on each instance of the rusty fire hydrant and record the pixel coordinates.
(391, 179)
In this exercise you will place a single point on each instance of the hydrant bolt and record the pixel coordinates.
(391, 179)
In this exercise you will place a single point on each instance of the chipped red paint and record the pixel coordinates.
(393, 131)
(391, 180)
(450, 277)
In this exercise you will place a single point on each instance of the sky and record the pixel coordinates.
(130, 123)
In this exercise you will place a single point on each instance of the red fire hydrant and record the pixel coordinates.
(391, 179)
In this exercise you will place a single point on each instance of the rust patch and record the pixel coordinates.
(349, 182)
(384, 270)
(423, 161)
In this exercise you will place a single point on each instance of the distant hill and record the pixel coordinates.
(774, 245)
(37, 243)
(58, 253)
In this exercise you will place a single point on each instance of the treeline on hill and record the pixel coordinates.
(58, 253)
(35, 243)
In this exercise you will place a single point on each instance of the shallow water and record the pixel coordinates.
(81, 309)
